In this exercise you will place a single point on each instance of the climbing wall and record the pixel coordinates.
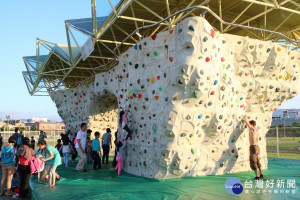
(188, 89)
(79, 105)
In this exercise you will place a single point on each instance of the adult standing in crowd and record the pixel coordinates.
(1, 142)
(106, 142)
(18, 138)
(80, 147)
(25, 154)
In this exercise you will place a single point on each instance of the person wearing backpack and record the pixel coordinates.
(8, 165)
(80, 145)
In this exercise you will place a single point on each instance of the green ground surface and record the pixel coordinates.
(106, 184)
(288, 147)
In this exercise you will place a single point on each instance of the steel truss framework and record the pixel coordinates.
(58, 66)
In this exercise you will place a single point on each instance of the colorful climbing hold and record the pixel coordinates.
(154, 128)
(155, 53)
(230, 123)
(171, 31)
(171, 59)
(219, 127)
(251, 83)
(278, 49)
(135, 47)
(135, 89)
(216, 82)
(160, 89)
(158, 77)
(222, 59)
(207, 59)
(196, 94)
(127, 93)
(212, 93)
(153, 36)
(127, 75)
(200, 116)
(205, 39)
(261, 96)
(156, 97)
(139, 96)
(287, 77)
(152, 79)
(191, 28)
(212, 33)
(193, 151)
(121, 96)
(280, 77)
(76, 103)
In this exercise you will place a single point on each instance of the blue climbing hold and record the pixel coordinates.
(200, 116)
(135, 89)
(241, 98)
(216, 82)
(136, 47)
(230, 123)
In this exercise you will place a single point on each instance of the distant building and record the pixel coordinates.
(285, 117)
(50, 126)
(33, 120)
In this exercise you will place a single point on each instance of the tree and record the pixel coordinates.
(280, 125)
(296, 124)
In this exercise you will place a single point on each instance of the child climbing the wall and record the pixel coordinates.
(120, 148)
(254, 149)
(124, 122)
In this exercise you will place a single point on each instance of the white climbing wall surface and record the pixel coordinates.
(188, 88)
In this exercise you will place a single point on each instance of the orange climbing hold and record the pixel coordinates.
(171, 31)
(171, 59)
(152, 79)
(212, 33)
(156, 97)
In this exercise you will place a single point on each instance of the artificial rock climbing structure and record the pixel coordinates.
(188, 89)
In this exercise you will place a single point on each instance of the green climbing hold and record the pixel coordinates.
(183, 134)
(224, 77)
(251, 83)
(196, 94)
(180, 30)
(160, 89)
(155, 53)
(75, 94)
(191, 28)
(193, 151)
(154, 128)
(127, 93)
(135, 131)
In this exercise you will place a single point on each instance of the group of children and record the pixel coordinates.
(20, 152)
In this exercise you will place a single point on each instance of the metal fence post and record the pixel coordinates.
(277, 142)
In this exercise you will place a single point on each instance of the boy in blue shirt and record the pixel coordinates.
(96, 150)
(8, 165)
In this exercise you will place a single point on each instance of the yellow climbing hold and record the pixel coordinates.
(182, 143)
(280, 77)
(287, 77)
(170, 134)
(261, 96)
(278, 49)
(152, 79)
(192, 142)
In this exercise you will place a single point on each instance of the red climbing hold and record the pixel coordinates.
(242, 106)
(219, 127)
(83, 113)
(127, 75)
(158, 77)
(246, 74)
(207, 59)
(156, 97)
(222, 59)
(212, 33)
(76, 103)
(139, 96)
(212, 93)
(232, 151)
(171, 59)
(153, 37)
(80, 96)
(171, 31)
(121, 96)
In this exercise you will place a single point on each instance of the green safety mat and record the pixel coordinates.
(106, 184)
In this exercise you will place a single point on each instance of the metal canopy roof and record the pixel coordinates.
(130, 20)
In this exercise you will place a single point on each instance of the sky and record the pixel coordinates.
(21, 22)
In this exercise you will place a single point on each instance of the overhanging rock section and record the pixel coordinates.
(188, 88)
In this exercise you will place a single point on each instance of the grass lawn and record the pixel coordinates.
(287, 146)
